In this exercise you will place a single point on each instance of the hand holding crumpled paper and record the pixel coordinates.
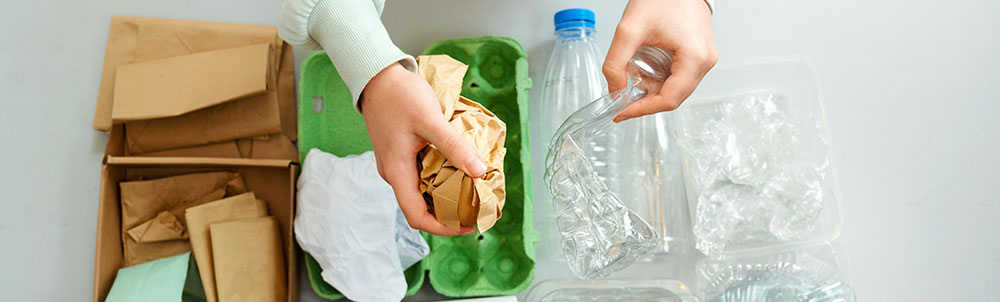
(454, 198)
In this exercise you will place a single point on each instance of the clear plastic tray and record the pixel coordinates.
(806, 273)
(610, 290)
(795, 80)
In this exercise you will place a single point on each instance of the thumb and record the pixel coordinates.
(455, 148)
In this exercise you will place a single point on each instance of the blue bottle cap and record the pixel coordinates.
(574, 17)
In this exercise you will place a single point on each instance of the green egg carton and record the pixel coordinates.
(327, 121)
(498, 262)
(502, 260)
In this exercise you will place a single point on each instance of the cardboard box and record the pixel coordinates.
(195, 96)
(272, 180)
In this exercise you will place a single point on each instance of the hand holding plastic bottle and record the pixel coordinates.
(403, 115)
(683, 27)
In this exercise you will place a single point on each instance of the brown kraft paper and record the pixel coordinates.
(249, 263)
(456, 198)
(142, 201)
(199, 218)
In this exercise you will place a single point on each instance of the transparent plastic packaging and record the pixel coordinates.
(599, 233)
(611, 290)
(752, 177)
(812, 274)
(757, 164)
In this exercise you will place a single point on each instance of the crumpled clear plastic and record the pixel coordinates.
(806, 275)
(347, 218)
(600, 235)
(757, 173)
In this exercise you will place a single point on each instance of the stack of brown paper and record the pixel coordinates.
(143, 201)
(199, 218)
(456, 198)
(248, 260)
(178, 83)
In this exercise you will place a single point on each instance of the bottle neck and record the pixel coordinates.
(575, 34)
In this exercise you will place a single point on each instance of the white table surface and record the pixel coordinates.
(911, 90)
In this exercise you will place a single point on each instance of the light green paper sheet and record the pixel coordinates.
(160, 280)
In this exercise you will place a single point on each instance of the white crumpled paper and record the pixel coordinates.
(349, 221)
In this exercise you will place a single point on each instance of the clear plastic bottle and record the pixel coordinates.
(573, 75)
(572, 79)
(599, 233)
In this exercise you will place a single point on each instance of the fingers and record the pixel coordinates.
(454, 147)
(685, 74)
(401, 174)
(624, 44)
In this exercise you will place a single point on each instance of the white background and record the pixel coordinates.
(911, 90)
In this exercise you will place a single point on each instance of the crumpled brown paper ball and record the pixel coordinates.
(455, 198)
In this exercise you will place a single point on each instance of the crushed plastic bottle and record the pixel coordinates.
(599, 234)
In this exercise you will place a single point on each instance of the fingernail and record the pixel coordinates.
(476, 167)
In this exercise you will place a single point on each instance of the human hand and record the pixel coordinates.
(402, 114)
(683, 27)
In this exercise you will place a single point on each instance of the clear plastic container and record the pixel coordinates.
(806, 273)
(610, 290)
(791, 87)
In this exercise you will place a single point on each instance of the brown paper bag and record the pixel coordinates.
(457, 199)
(275, 146)
(249, 263)
(167, 37)
(139, 39)
(177, 85)
(224, 149)
(199, 218)
(165, 226)
(286, 94)
(144, 200)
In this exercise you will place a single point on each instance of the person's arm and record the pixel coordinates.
(400, 109)
(684, 27)
(350, 32)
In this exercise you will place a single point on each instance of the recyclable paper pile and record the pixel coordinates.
(195, 88)
(209, 96)
(209, 215)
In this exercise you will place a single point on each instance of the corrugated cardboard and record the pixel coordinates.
(181, 84)
(271, 180)
(248, 260)
(456, 198)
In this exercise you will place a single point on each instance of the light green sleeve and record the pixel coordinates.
(351, 33)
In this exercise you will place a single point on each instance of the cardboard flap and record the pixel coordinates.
(178, 85)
